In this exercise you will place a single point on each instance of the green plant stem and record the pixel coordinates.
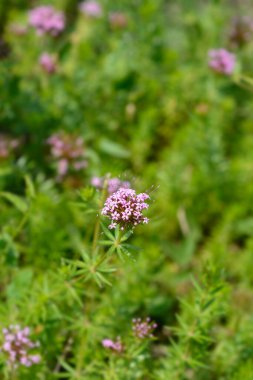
(105, 255)
(96, 234)
(12, 374)
(5, 7)
(81, 350)
(97, 225)
(21, 225)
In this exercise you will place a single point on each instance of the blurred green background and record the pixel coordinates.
(150, 111)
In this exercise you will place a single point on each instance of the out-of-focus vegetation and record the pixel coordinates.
(127, 93)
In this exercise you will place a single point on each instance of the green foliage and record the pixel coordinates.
(150, 111)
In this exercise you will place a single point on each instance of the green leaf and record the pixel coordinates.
(107, 232)
(30, 189)
(5, 171)
(103, 279)
(17, 201)
(111, 250)
(113, 149)
(126, 235)
(105, 242)
(66, 366)
(87, 193)
(120, 254)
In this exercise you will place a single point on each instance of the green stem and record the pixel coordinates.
(12, 374)
(118, 241)
(103, 257)
(97, 225)
(21, 225)
(80, 356)
(5, 8)
(96, 234)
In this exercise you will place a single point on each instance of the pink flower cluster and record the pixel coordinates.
(115, 346)
(113, 184)
(125, 208)
(118, 20)
(143, 328)
(45, 19)
(91, 8)
(68, 151)
(17, 345)
(48, 63)
(7, 145)
(221, 61)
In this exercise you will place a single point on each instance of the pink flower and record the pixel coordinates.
(91, 8)
(68, 153)
(62, 167)
(45, 19)
(79, 165)
(97, 182)
(113, 345)
(113, 184)
(48, 63)
(118, 20)
(17, 346)
(143, 328)
(7, 146)
(221, 61)
(125, 208)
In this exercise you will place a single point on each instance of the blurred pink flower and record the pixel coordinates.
(78, 165)
(7, 146)
(17, 346)
(97, 182)
(68, 153)
(91, 8)
(118, 20)
(116, 346)
(221, 61)
(48, 63)
(62, 167)
(143, 328)
(45, 19)
(113, 184)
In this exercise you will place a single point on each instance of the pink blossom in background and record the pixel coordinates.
(7, 146)
(62, 167)
(68, 153)
(91, 8)
(118, 20)
(18, 347)
(221, 61)
(48, 63)
(113, 184)
(113, 345)
(125, 208)
(97, 182)
(79, 165)
(45, 19)
(143, 328)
